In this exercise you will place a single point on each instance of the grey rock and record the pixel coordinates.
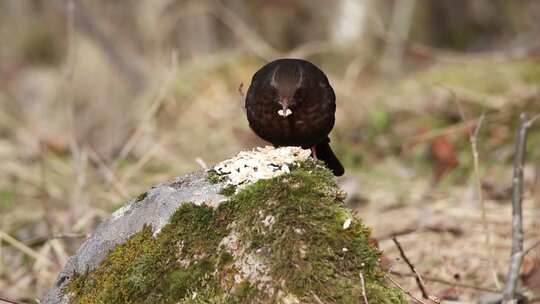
(154, 208)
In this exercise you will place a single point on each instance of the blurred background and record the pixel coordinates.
(100, 100)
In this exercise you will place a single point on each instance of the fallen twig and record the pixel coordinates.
(3, 299)
(405, 290)
(517, 210)
(419, 280)
(445, 282)
(530, 248)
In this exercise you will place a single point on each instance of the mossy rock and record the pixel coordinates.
(280, 240)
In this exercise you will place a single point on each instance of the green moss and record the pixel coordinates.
(213, 177)
(225, 258)
(195, 276)
(309, 250)
(141, 196)
(293, 223)
(245, 292)
(228, 191)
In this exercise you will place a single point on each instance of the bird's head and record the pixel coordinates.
(287, 81)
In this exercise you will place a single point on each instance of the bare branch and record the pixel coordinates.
(517, 211)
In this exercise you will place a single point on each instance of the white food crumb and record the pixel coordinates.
(263, 163)
(347, 223)
(269, 221)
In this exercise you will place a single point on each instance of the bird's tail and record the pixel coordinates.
(325, 153)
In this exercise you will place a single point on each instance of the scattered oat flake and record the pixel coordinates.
(347, 223)
(263, 163)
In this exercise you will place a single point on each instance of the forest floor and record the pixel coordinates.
(75, 149)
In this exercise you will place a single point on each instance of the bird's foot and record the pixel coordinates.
(314, 153)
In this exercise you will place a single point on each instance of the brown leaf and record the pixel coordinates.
(530, 271)
(444, 155)
(56, 143)
(528, 267)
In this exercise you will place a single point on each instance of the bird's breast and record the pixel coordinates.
(308, 124)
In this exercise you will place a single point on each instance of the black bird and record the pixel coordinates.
(291, 103)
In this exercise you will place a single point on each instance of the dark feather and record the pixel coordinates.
(313, 106)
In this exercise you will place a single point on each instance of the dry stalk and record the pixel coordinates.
(43, 239)
(316, 298)
(473, 139)
(464, 125)
(23, 248)
(155, 105)
(363, 288)
(110, 176)
(253, 41)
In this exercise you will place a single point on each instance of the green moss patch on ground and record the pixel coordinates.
(291, 225)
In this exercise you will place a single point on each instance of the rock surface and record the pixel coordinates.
(153, 208)
(282, 235)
